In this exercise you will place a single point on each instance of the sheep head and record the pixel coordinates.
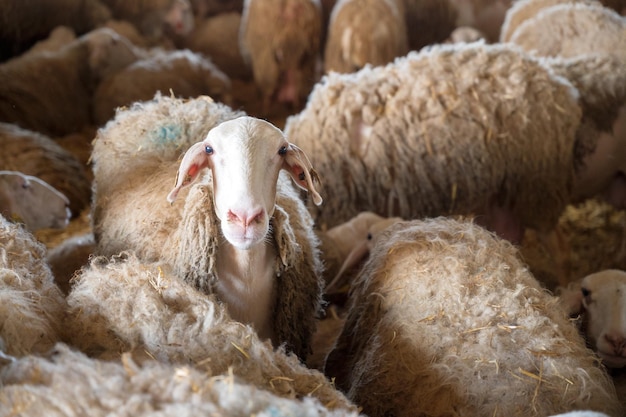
(245, 156)
(602, 300)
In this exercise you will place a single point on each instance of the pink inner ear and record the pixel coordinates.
(298, 173)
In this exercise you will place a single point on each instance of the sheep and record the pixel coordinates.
(416, 138)
(155, 19)
(32, 201)
(57, 39)
(38, 155)
(181, 72)
(69, 384)
(218, 38)
(121, 304)
(362, 32)
(22, 23)
(444, 319)
(280, 41)
(522, 10)
(208, 239)
(51, 93)
(428, 21)
(600, 298)
(31, 306)
(486, 16)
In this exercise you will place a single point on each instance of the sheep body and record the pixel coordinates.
(281, 42)
(414, 138)
(122, 304)
(69, 384)
(444, 319)
(364, 32)
(22, 23)
(135, 159)
(56, 108)
(181, 73)
(36, 154)
(31, 306)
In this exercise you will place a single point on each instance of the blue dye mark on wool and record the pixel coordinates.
(273, 411)
(164, 136)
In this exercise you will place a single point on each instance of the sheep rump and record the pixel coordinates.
(486, 340)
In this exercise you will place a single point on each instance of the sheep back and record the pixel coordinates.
(35, 154)
(444, 319)
(121, 304)
(442, 132)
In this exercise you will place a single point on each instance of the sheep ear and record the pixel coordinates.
(302, 172)
(193, 162)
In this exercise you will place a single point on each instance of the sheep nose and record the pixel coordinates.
(617, 341)
(245, 217)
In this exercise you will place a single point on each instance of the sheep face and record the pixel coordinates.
(32, 201)
(245, 156)
(179, 17)
(108, 52)
(603, 298)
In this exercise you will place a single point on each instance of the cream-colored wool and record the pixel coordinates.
(38, 155)
(51, 93)
(280, 41)
(522, 10)
(181, 73)
(362, 32)
(572, 29)
(22, 23)
(421, 137)
(31, 305)
(125, 305)
(67, 383)
(135, 165)
(444, 319)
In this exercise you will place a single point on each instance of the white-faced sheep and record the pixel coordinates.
(31, 306)
(182, 73)
(121, 304)
(35, 154)
(444, 319)
(155, 19)
(52, 93)
(66, 383)
(22, 23)
(280, 40)
(32, 201)
(419, 138)
(601, 300)
(362, 32)
(218, 238)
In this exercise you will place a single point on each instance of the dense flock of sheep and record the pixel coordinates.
(313, 207)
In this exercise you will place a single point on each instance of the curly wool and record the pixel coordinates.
(31, 305)
(145, 141)
(444, 319)
(122, 304)
(67, 383)
(420, 138)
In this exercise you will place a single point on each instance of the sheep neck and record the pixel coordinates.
(245, 283)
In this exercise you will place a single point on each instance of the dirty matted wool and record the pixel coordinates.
(31, 305)
(445, 320)
(448, 130)
(68, 383)
(122, 304)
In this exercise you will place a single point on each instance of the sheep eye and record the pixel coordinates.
(208, 150)
(369, 236)
(26, 185)
(282, 150)
(586, 292)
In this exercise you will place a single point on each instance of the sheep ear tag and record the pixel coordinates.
(193, 162)
(302, 172)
